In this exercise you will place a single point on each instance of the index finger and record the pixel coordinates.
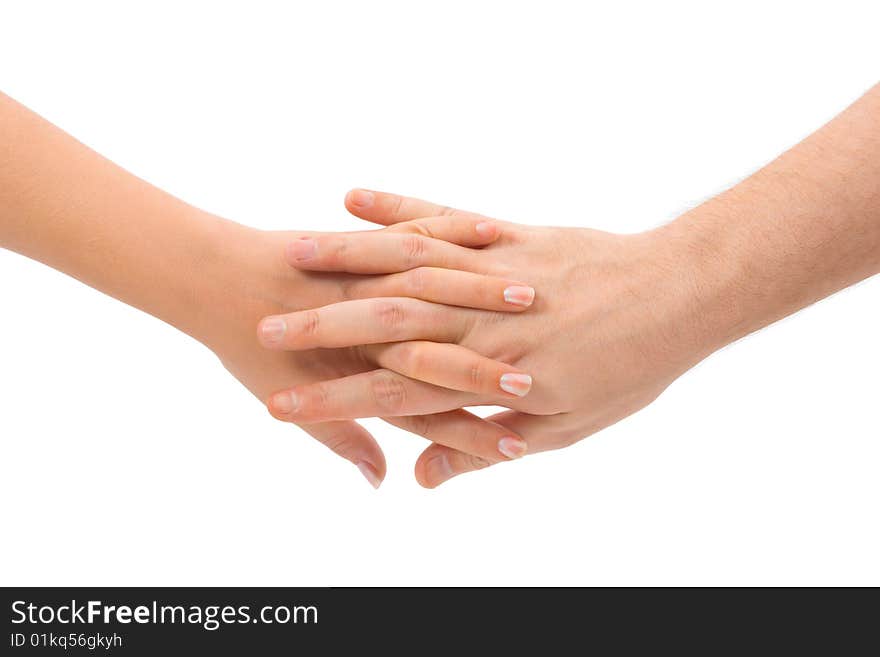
(378, 252)
(387, 209)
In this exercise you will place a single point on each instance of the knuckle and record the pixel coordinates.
(396, 206)
(472, 462)
(340, 442)
(476, 376)
(414, 228)
(415, 281)
(414, 247)
(311, 322)
(422, 228)
(494, 317)
(340, 247)
(414, 358)
(321, 399)
(421, 425)
(389, 314)
(388, 392)
(314, 401)
(333, 250)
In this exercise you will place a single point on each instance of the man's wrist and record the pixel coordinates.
(713, 276)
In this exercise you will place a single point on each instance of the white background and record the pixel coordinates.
(129, 456)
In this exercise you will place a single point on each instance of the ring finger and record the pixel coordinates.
(379, 393)
(452, 366)
(446, 286)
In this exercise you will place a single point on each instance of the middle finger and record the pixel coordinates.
(364, 321)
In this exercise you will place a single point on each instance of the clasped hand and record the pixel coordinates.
(569, 329)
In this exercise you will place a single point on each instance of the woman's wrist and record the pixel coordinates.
(236, 275)
(192, 295)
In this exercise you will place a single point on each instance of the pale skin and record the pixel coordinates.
(66, 206)
(617, 317)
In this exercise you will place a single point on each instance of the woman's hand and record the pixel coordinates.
(614, 323)
(66, 206)
(251, 277)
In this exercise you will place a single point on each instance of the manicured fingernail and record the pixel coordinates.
(519, 295)
(302, 249)
(272, 330)
(486, 229)
(516, 384)
(361, 198)
(438, 469)
(512, 448)
(285, 402)
(370, 473)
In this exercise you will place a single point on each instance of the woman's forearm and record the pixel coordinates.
(68, 207)
(800, 229)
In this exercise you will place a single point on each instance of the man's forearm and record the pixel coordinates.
(800, 229)
(66, 206)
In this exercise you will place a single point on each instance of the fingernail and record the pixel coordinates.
(519, 295)
(302, 249)
(370, 474)
(285, 402)
(512, 448)
(486, 229)
(272, 330)
(438, 470)
(516, 384)
(361, 198)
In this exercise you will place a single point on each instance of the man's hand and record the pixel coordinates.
(617, 317)
(616, 320)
